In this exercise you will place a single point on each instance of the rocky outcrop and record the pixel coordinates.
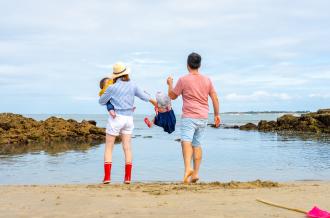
(19, 130)
(249, 126)
(317, 122)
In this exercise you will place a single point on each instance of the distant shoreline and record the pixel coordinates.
(229, 112)
(267, 112)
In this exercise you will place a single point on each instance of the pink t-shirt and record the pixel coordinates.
(195, 89)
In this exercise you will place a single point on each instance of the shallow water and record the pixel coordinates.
(229, 154)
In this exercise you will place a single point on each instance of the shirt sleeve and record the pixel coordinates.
(105, 98)
(178, 88)
(141, 94)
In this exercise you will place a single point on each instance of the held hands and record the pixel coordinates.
(217, 121)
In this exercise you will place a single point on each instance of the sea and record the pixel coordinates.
(228, 155)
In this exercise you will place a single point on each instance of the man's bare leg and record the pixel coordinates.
(197, 151)
(187, 152)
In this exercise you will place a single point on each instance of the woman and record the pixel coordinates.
(121, 94)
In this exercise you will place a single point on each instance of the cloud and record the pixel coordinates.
(85, 98)
(104, 66)
(319, 95)
(259, 80)
(65, 47)
(322, 75)
(257, 96)
(146, 61)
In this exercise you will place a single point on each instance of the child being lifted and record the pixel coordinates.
(165, 116)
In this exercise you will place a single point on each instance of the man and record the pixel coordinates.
(195, 89)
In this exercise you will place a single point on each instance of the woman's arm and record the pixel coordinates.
(144, 96)
(105, 98)
(141, 94)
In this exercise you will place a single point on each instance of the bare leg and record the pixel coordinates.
(112, 114)
(109, 144)
(187, 152)
(126, 142)
(148, 122)
(197, 162)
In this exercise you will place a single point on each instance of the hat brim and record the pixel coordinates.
(116, 75)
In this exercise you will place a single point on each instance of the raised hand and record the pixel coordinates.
(170, 80)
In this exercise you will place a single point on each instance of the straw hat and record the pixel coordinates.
(119, 69)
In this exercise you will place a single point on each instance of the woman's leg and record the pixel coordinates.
(126, 142)
(109, 144)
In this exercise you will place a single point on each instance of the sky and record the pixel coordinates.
(260, 54)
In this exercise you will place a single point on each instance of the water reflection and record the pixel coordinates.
(50, 148)
(229, 154)
(296, 136)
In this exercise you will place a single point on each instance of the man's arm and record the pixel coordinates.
(171, 94)
(215, 102)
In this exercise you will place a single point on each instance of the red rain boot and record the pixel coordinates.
(107, 172)
(128, 173)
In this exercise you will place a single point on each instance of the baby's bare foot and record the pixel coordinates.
(112, 113)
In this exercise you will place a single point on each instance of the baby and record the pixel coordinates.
(165, 116)
(104, 84)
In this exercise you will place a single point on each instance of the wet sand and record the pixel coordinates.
(162, 199)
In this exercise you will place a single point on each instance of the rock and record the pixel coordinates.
(287, 121)
(309, 124)
(323, 111)
(211, 125)
(16, 129)
(323, 118)
(224, 126)
(147, 137)
(267, 126)
(92, 122)
(317, 122)
(230, 126)
(249, 126)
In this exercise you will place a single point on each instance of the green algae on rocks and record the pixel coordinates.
(17, 130)
(316, 122)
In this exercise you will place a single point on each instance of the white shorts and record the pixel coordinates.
(120, 125)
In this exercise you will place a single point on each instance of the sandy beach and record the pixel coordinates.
(162, 200)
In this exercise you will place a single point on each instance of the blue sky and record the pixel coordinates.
(261, 54)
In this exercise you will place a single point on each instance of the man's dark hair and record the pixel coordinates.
(102, 82)
(194, 61)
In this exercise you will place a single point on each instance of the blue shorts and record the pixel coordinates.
(192, 130)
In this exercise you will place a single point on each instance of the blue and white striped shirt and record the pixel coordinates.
(121, 95)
